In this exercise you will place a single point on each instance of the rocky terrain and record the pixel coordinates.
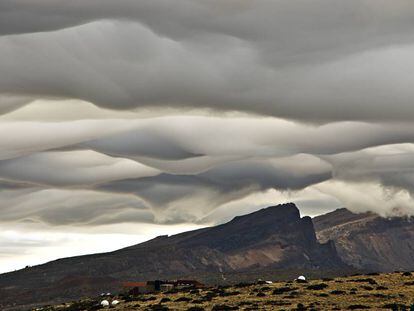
(367, 241)
(393, 291)
(273, 242)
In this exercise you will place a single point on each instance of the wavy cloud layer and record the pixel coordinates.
(117, 115)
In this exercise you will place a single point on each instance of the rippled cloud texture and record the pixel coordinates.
(122, 120)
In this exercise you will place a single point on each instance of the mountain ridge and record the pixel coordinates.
(272, 239)
(368, 241)
(274, 242)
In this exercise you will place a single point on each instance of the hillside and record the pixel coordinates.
(272, 239)
(394, 291)
(272, 243)
(367, 241)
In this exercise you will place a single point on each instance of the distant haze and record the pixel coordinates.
(122, 120)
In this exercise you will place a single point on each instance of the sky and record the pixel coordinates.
(124, 120)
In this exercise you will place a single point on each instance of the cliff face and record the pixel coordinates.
(272, 238)
(367, 241)
(275, 236)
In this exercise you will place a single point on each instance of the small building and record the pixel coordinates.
(137, 288)
(187, 284)
(166, 287)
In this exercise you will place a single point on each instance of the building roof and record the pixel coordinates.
(134, 284)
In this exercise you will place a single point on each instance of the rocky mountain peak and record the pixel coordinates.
(271, 239)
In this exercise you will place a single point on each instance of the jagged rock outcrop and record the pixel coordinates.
(368, 241)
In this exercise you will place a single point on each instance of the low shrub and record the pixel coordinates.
(224, 308)
(282, 290)
(356, 307)
(319, 286)
(183, 299)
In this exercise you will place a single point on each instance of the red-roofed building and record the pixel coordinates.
(136, 288)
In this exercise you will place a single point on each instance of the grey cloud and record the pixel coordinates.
(270, 69)
(163, 142)
(76, 168)
(309, 101)
(241, 156)
(168, 193)
(362, 196)
(292, 173)
(71, 207)
(389, 166)
(331, 25)
(12, 184)
(10, 103)
(151, 142)
(10, 247)
(24, 138)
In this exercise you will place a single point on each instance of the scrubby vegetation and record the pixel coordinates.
(360, 292)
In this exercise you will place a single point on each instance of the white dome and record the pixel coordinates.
(105, 303)
(302, 278)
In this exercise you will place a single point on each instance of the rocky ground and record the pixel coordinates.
(394, 291)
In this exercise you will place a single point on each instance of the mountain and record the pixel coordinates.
(274, 239)
(368, 241)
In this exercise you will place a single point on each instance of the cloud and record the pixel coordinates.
(320, 26)
(57, 207)
(144, 112)
(181, 198)
(63, 110)
(75, 168)
(341, 74)
(178, 162)
(10, 103)
(365, 196)
(19, 249)
(175, 163)
(389, 166)
(24, 138)
(181, 137)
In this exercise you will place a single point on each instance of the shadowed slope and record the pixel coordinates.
(272, 238)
